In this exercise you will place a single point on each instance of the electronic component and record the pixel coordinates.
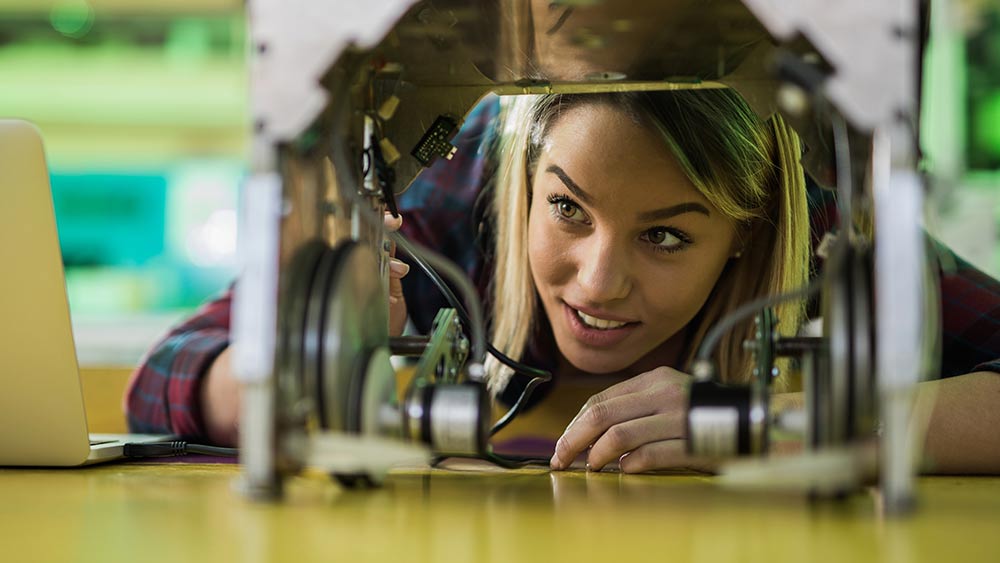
(436, 141)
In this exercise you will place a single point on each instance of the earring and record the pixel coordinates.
(738, 254)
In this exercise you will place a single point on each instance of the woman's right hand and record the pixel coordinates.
(397, 270)
(220, 401)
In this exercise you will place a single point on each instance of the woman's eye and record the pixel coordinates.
(663, 239)
(564, 208)
(568, 210)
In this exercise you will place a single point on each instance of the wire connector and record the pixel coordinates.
(155, 449)
(175, 448)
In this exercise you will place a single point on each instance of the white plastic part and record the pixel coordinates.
(295, 42)
(253, 327)
(255, 301)
(899, 298)
(336, 452)
(827, 472)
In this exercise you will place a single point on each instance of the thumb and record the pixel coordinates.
(397, 303)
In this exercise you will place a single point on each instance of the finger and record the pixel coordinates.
(594, 421)
(397, 270)
(397, 304)
(392, 223)
(667, 454)
(635, 384)
(631, 434)
(397, 316)
(638, 383)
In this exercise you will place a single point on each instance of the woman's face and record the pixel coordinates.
(623, 249)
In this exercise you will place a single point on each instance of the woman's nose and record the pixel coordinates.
(604, 273)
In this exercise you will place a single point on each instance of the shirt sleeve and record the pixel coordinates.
(970, 298)
(970, 316)
(162, 395)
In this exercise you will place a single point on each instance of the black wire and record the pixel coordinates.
(513, 462)
(506, 462)
(518, 404)
(460, 309)
(366, 162)
(175, 448)
(212, 450)
(539, 376)
(745, 310)
(476, 325)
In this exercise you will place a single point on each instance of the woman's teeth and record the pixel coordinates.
(601, 324)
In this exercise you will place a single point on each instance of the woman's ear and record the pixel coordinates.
(741, 240)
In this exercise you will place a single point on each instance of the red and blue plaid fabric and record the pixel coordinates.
(162, 394)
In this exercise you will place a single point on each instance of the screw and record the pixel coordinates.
(793, 99)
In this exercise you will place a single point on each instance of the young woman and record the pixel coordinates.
(631, 223)
(619, 228)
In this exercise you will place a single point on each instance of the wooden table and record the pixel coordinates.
(188, 513)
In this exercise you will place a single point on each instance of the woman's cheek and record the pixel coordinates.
(547, 254)
(538, 250)
(682, 286)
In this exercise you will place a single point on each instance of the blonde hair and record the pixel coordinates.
(748, 168)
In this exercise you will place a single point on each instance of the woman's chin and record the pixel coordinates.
(598, 364)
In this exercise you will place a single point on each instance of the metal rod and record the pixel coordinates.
(798, 345)
(408, 345)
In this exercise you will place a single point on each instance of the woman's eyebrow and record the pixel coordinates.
(673, 211)
(573, 187)
(645, 216)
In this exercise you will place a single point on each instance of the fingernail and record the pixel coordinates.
(554, 463)
(392, 223)
(398, 267)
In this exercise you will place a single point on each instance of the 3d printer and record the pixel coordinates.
(352, 99)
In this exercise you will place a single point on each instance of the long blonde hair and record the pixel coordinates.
(748, 168)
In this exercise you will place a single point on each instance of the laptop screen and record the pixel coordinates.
(42, 420)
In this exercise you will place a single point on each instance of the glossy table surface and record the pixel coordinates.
(185, 512)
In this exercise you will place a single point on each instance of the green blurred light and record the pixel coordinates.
(988, 124)
(72, 18)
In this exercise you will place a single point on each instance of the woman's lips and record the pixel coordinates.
(597, 337)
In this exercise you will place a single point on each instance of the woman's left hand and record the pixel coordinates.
(639, 422)
(397, 271)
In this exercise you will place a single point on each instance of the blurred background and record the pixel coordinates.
(144, 108)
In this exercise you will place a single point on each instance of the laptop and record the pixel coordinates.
(42, 418)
